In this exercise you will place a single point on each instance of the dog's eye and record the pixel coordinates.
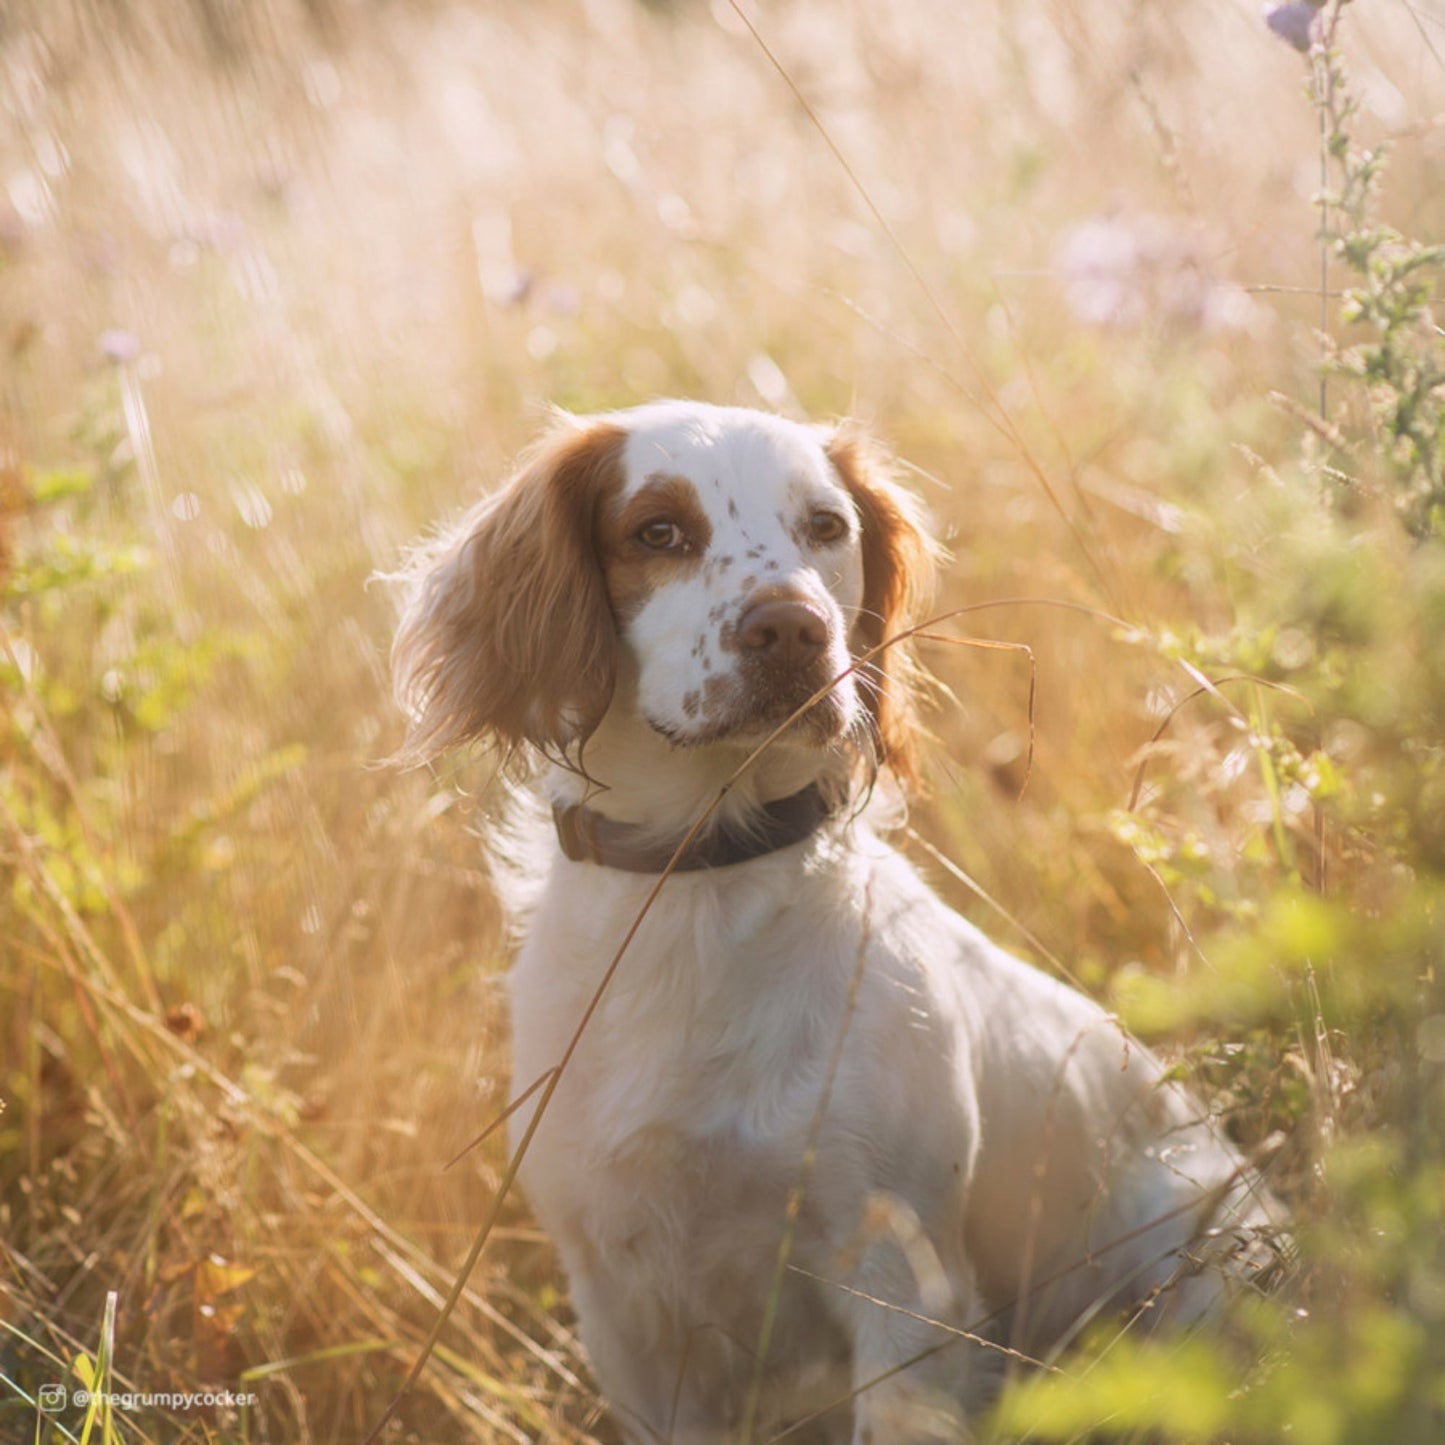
(661, 536)
(827, 527)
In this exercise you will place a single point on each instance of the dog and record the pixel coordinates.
(824, 1156)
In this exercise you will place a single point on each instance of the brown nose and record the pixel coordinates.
(783, 633)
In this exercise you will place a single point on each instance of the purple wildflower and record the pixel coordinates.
(118, 346)
(1296, 23)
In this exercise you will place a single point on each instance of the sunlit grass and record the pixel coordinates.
(281, 289)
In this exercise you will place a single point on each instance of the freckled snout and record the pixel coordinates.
(785, 634)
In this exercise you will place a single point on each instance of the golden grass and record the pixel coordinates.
(248, 976)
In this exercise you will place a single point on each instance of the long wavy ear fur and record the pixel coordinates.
(899, 563)
(507, 634)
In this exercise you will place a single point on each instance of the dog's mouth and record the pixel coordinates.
(746, 712)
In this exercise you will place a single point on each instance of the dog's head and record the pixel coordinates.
(733, 564)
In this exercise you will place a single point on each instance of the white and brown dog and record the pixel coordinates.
(819, 1127)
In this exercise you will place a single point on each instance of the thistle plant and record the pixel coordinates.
(1391, 296)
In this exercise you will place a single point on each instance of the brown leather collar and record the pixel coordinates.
(589, 837)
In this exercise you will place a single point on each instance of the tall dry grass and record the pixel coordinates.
(281, 285)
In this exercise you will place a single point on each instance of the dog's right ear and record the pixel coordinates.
(507, 633)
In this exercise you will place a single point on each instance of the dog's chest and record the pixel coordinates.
(712, 1041)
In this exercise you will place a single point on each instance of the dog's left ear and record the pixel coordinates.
(899, 563)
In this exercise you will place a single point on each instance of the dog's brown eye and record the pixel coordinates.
(660, 536)
(827, 527)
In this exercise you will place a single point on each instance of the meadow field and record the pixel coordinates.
(1140, 294)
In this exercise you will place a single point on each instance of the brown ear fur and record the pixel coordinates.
(898, 573)
(507, 633)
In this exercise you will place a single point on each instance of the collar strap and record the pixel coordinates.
(587, 836)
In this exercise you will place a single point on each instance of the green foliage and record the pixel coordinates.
(1321, 930)
(1402, 368)
(1371, 1377)
(96, 1376)
(1183, 1391)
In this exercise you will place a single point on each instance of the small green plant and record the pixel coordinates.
(97, 1378)
(1391, 296)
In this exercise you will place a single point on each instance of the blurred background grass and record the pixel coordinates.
(283, 283)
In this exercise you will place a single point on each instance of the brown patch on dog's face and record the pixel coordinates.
(657, 535)
(719, 508)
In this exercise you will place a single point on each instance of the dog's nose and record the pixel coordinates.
(784, 633)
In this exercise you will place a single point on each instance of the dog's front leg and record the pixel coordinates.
(915, 1381)
(646, 1365)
